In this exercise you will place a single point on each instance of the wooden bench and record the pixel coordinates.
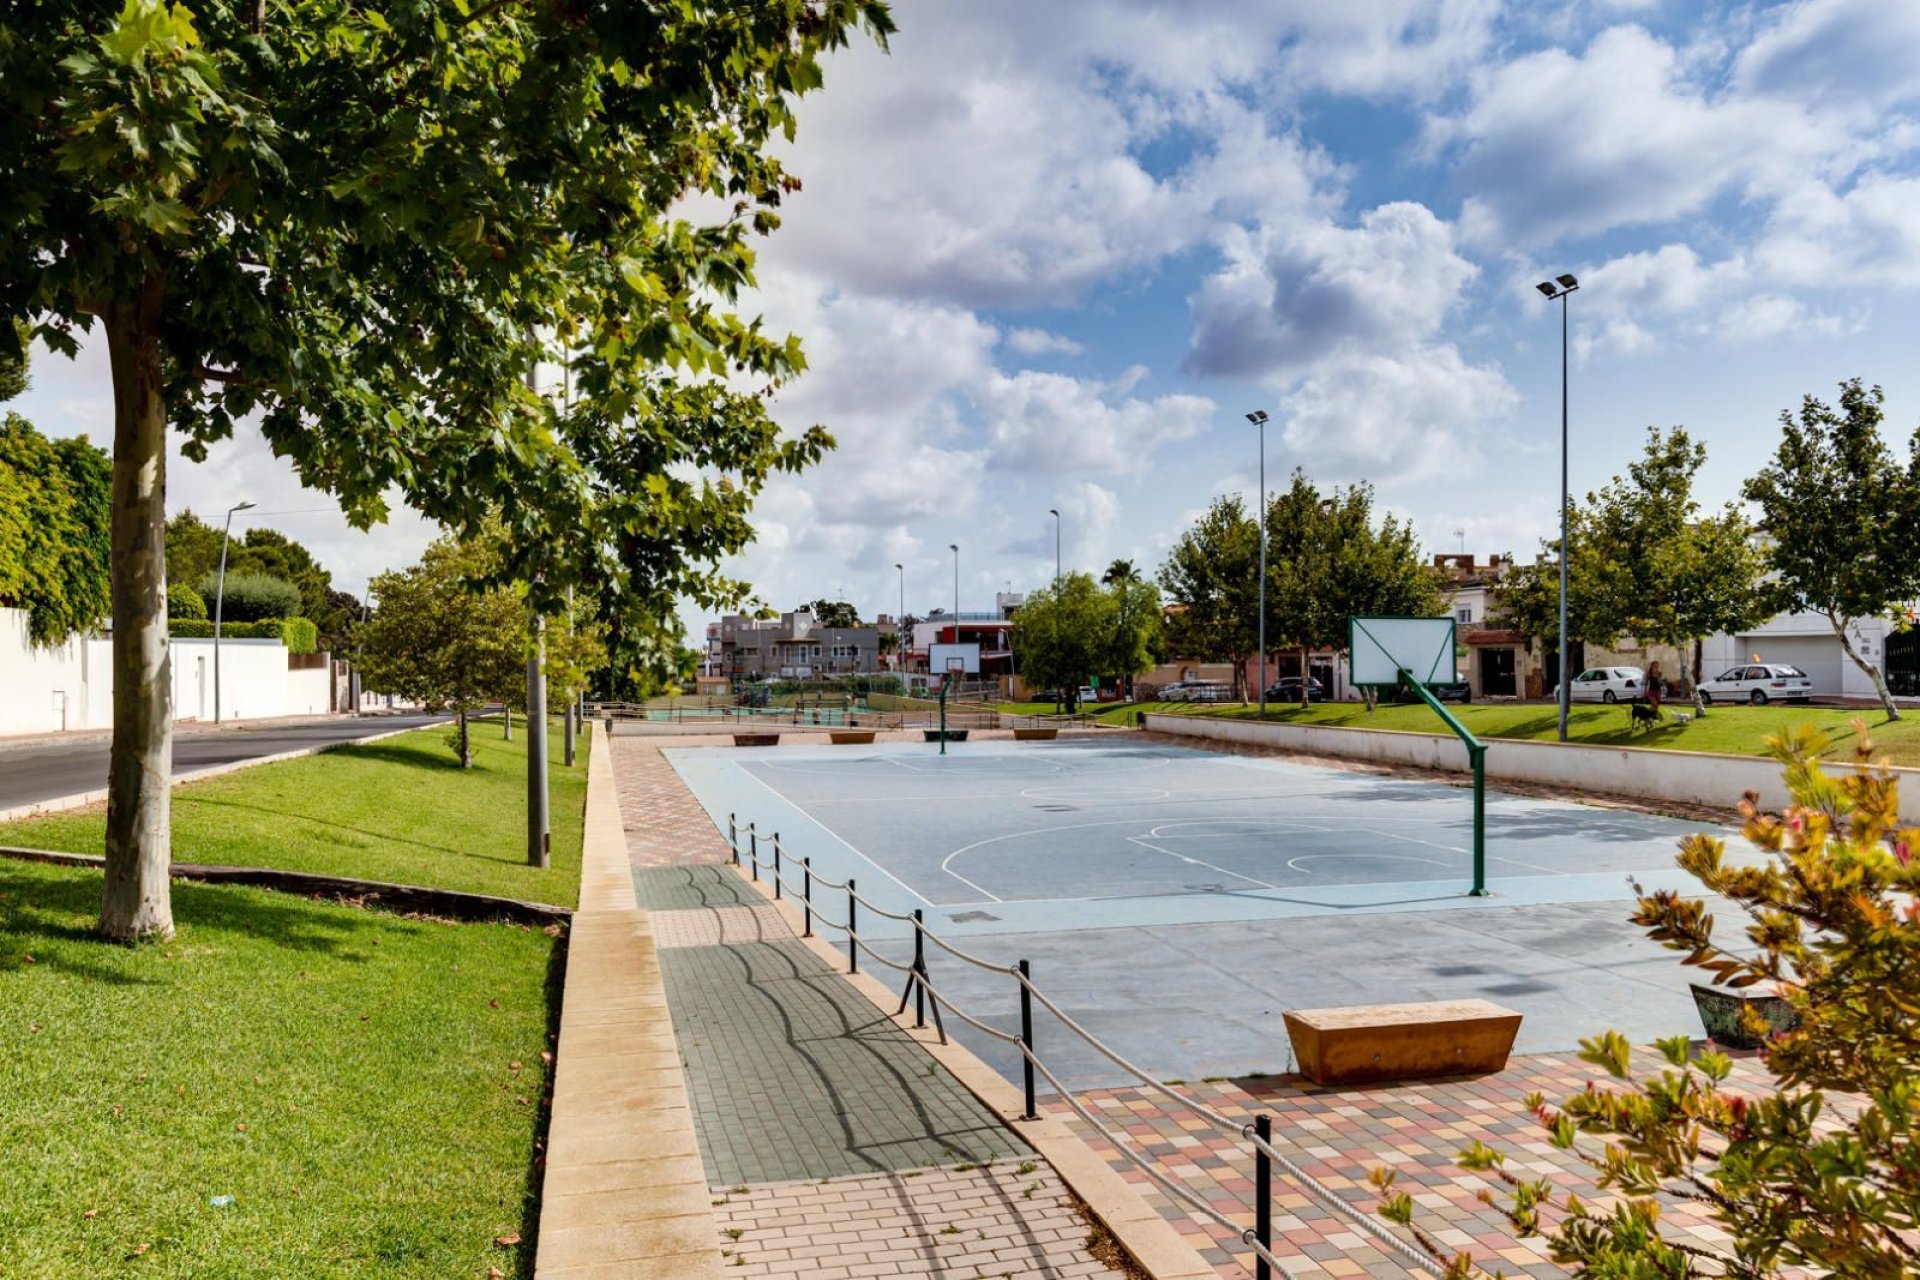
(1035, 734)
(851, 737)
(756, 739)
(1364, 1043)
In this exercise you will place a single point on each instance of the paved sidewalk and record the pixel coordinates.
(835, 1146)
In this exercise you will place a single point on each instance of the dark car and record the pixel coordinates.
(1287, 689)
(1442, 691)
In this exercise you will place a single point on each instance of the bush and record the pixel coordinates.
(184, 603)
(189, 628)
(250, 597)
(300, 635)
(1798, 1184)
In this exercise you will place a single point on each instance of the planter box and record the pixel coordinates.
(1365, 1043)
(1722, 1008)
(1035, 735)
(756, 739)
(953, 735)
(851, 737)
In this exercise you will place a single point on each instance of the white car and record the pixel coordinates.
(1607, 684)
(1759, 684)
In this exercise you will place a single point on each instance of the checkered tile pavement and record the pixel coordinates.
(718, 926)
(1338, 1135)
(665, 825)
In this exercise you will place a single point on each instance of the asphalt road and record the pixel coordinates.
(47, 770)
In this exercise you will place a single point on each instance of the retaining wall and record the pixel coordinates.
(1689, 777)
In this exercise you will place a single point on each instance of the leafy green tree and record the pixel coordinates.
(833, 613)
(184, 603)
(1212, 581)
(364, 227)
(1064, 634)
(54, 516)
(13, 361)
(1120, 571)
(440, 639)
(1800, 1182)
(1134, 630)
(249, 596)
(1842, 519)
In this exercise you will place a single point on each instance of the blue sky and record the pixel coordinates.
(1049, 252)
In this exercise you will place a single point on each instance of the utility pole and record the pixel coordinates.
(1562, 287)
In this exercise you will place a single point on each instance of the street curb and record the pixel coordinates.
(1141, 1230)
(81, 800)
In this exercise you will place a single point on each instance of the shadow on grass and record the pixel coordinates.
(435, 759)
(45, 909)
(555, 992)
(385, 836)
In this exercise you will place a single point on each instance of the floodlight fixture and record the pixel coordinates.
(1567, 282)
(1258, 417)
(1548, 288)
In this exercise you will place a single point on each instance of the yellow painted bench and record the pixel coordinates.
(1363, 1043)
(851, 737)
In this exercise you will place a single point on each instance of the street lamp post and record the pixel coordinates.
(1055, 513)
(955, 548)
(219, 603)
(900, 622)
(1560, 287)
(1259, 419)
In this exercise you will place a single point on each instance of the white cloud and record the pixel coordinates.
(1061, 425)
(1039, 342)
(1856, 53)
(1396, 417)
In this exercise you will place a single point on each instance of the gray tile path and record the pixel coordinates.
(701, 884)
(794, 1075)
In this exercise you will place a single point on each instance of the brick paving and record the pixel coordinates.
(1005, 1219)
(859, 1155)
(1337, 1135)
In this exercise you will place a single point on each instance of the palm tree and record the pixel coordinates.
(1120, 571)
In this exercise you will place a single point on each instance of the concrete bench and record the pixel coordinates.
(851, 737)
(953, 735)
(756, 739)
(1035, 735)
(1363, 1043)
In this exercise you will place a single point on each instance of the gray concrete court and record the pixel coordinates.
(1177, 901)
(33, 771)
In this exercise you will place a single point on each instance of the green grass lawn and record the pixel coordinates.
(400, 810)
(1733, 730)
(346, 1076)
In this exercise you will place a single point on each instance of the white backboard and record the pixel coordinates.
(940, 656)
(1381, 648)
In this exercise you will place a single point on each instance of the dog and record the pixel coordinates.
(1682, 717)
(1645, 716)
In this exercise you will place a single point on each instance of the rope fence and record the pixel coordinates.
(919, 990)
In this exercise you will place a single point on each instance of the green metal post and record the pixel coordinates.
(1477, 756)
(943, 710)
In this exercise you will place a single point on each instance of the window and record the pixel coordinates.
(1463, 614)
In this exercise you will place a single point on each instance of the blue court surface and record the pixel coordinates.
(1176, 900)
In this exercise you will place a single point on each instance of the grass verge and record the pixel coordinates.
(399, 810)
(348, 1077)
(1730, 730)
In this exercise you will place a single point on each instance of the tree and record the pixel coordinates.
(248, 596)
(1842, 519)
(1133, 630)
(365, 227)
(1120, 571)
(54, 516)
(1063, 634)
(1212, 578)
(1798, 1184)
(439, 639)
(833, 613)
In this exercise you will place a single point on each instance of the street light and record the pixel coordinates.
(1560, 287)
(900, 623)
(955, 548)
(1259, 419)
(1055, 513)
(219, 603)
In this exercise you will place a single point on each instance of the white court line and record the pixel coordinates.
(836, 836)
(1295, 862)
(1197, 862)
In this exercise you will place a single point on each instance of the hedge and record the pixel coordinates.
(300, 635)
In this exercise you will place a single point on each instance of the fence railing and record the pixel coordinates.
(918, 988)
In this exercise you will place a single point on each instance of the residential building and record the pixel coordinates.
(790, 647)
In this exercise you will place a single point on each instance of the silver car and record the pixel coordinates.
(1758, 683)
(1607, 684)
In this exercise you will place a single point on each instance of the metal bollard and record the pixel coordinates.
(776, 866)
(853, 943)
(806, 895)
(1026, 1037)
(753, 850)
(919, 970)
(1263, 1196)
(733, 837)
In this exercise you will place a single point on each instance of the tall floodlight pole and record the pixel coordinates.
(1560, 287)
(955, 548)
(900, 622)
(1055, 513)
(1259, 419)
(219, 603)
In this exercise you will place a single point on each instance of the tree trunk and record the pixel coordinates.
(1306, 674)
(466, 743)
(1873, 673)
(136, 901)
(508, 711)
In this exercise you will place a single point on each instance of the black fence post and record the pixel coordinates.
(919, 971)
(1026, 1037)
(753, 849)
(853, 923)
(1263, 1195)
(776, 866)
(806, 895)
(733, 836)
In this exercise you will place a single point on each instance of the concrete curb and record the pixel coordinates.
(625, 1192)
(1148, 1237)
(81, 800)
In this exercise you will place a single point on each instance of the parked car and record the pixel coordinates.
(1195, 691)
(1287, 689)
(1607, 684)
(1759, 683)
(1089, 694)
(1442, 691)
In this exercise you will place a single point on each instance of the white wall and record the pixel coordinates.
(36, 684)
(253, 679)
(308, 691)
(1688, 776)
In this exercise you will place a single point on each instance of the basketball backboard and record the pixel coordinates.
(1379, 649)
(941, 657)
